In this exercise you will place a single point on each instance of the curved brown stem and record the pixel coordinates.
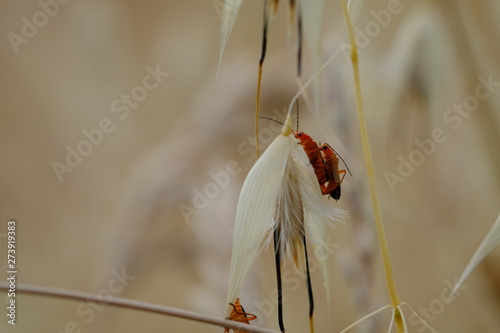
(133, 304)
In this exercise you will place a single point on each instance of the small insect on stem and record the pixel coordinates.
(238, 314)
(313, 152)
(333, 173)
(325, 162)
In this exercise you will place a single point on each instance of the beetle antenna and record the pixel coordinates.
(297, 101)
(276, 121)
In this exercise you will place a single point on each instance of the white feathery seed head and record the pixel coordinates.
(281, 192)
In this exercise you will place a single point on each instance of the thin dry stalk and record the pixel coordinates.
(133, 304)
(371, 174)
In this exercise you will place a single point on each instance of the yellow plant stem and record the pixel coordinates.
(257, 109)
(371, 174)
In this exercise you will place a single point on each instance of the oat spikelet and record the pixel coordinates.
(289, 219)
(280, 193)
(229, 12)
(491, 240)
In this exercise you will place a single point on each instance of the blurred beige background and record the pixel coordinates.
(119, 209)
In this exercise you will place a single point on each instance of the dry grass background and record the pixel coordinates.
(120, 207)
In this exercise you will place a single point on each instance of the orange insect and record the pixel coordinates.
(332, 162)
(238, 314)
(324, 161)
(315, 158)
